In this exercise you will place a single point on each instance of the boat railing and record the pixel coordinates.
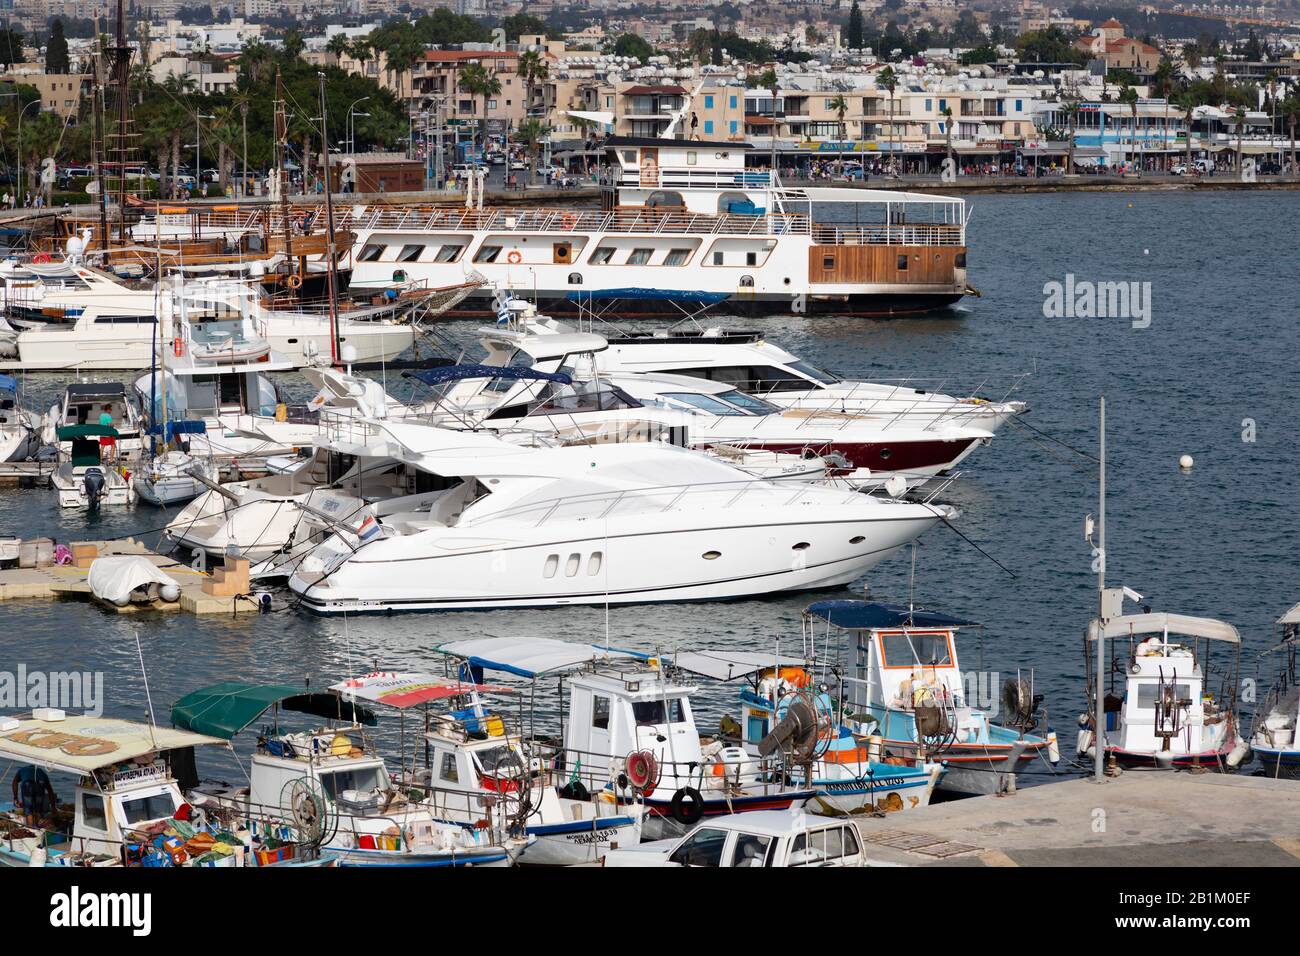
(909, 234)
(661, 499)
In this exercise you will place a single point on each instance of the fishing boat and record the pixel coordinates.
(1275, 737)
(19, 436)
(1166, 714)
(631, 729)
(907, 695)
(127, 808)
(475, 769)
(519, 526)
(682, 224)
(91, 475)
(329, 779)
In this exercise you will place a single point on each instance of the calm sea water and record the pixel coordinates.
(1218, 540)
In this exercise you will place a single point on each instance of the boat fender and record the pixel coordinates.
(1238, 754)
(687, 806)
(1053, 748)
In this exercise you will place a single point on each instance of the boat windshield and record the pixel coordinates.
(586, 398)
(154, 806)
(704, 403)
(658, 712)
(748, 402)
(495, 760)
(906, 650)
(813, 372)
(373, 777)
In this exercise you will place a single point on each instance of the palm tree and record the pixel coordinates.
(840, 106)
(1071, 110)
(532, 133)
(338, 46)
(477, 81)
(1129, 95)
(887, 79)
(1164, 81)
(768, 80)
(223, 128)
(257, 57)
(363, 51)
(1189, 104)
(947, 134)
(399, 56)
(533, 70)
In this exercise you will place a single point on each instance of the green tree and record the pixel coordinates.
(56, 50)
(768, 80)
(11, 47)
(854, 33)
(887, 80)
(293, 45)
(839, 105)
(476, 80)
(338, 46)
(533, 71)
(521, 23)
(629, 44)
(532, 133)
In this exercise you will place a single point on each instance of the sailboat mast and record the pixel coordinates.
(329, 229)
(281, 175)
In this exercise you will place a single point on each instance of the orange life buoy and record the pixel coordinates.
(41, 257)
(295, 281)
(514, 257)
(568, 220)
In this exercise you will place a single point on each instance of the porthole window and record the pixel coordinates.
(857, 539)
(801, 546)
(552, 563)
(711, 555)
(747, 282)
(571, 565)
(575, 278)
(594, 563)
(885, 453)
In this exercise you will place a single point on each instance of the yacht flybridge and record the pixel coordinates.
(683, 223)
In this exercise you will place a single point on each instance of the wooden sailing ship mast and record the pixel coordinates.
(123, 137)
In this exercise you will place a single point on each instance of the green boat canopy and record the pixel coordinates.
(70, 432)
(223, 710)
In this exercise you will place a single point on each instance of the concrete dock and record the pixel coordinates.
(68, 581)
(1140, 818)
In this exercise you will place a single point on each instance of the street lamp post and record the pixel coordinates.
(198, 148)
(19, 190)
(352, 145)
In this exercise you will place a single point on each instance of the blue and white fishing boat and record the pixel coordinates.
(1275, 738)
(906, 695)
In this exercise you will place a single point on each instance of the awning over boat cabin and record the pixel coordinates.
(872, 615)
(73, 432)
(82, 745)
(532, 656)
(95, 391)
(728, 665)
(456, 373)
(409, 690)
(223, 710)
(1290, 617)
(1131, 625)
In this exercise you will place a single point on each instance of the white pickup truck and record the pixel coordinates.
(759, 838)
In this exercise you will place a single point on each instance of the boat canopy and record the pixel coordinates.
(456, 373)
(73, 432)
(223, 710)
(82, 745)
(670, 295)
(409, 690)
(8, 385)
(183, 427)
(872, 615)
(728, 665)
(1130, 625)
(95, 391)
(532, 656)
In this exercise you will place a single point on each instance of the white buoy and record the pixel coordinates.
(1186, 462)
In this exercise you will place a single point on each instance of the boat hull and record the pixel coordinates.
(660, 824)
(1278, 762)
(580, 841)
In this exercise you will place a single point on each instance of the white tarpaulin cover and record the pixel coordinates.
(113, 579)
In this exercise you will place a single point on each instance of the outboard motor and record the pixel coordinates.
(93, 482)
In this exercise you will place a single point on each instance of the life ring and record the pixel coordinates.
(568, 220)
(642, 770)
(683, 812)
(295, 281)
(42, 257)
(514, 258)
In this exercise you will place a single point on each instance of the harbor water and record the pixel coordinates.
(1210, 375)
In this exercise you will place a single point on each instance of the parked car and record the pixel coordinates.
(768, 838)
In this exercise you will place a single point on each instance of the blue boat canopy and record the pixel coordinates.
(870, 615)
(670, 295)
(8, 384)
(184, 427)
(455, 373)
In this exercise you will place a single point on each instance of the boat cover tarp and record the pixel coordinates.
(1131, 625)
(455, 373)
(531, 656)
(113, 579)
(670, 295)
(95, 742)
(72, 432)
(409, 690)
(180, 427)
(223, 710)
(728, 665)
(8, 384)
(869, 615)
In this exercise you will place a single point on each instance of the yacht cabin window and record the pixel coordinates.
(449, 253)
(602, 255)
(92, 812)
(748, 402)
(705, 403)
(911, 649)
(758, 379)
(358, 778)
(371, 252)
(487, 254)
(600, 712)
(410, 252)
(493, 760)
(677, 257)
(639, 257)
(155, 806)
(448, 770)
(1148, 694)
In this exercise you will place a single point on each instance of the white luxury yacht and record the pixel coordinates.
(516, 526)
(72, 316)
